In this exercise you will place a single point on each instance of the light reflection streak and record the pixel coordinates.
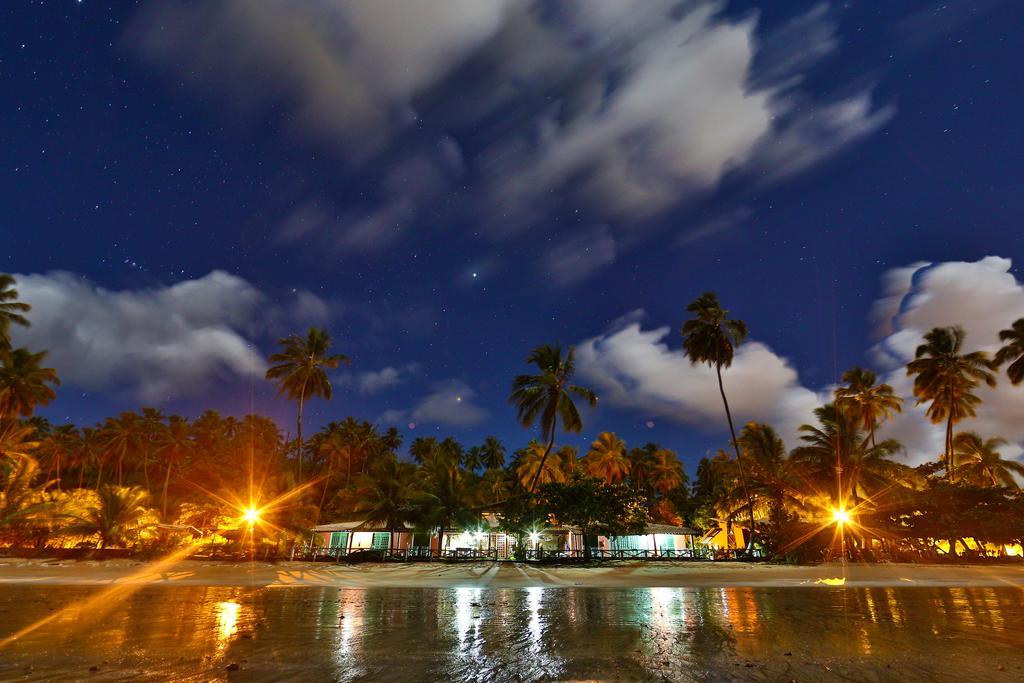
(106, 599)
(227, 623)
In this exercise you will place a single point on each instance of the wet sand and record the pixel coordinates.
(503, 575)
(173, 631)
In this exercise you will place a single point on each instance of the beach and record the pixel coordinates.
(503, 575)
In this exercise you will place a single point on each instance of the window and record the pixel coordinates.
(339, 539)
(381, 540)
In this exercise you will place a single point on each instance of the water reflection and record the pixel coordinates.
(227, 623)
(474, 633)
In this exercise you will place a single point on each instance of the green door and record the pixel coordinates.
(381, 540)
(623, 543)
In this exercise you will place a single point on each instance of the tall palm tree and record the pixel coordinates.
(978, 461)
(24, 382)
(547, 397)
(866, 401)
(711, 337)
(10, 310)
(61, 447)
(1012, 351)
(121, 437)
(607, 459)
(174, 443)
(300, 372)
(946, 377)
(115, 518)
(492, 454)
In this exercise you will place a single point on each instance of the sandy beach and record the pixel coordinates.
(501, 575)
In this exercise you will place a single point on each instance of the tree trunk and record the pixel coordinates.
(167, 479)
(739, 462)
(298, 431)
(323, 496)
(949, 446)
(540, 468)
(81, 475)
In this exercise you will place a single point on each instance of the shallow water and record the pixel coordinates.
(312, 634)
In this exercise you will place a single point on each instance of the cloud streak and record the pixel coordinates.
(626, 109)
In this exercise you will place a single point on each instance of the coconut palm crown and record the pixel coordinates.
(945, 377)
(10, 310)
(866, 401)
(547, 397)
(1012, 351)
(979, 462)
(299, 369)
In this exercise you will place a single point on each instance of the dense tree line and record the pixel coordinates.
(146, 478)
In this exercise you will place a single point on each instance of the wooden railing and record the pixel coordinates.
(339, 554)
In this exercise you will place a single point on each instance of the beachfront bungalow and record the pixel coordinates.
(658, 540)
(342, 538)
(484, 539)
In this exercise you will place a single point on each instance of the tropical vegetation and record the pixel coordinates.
(148, 480)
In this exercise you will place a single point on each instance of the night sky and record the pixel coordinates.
(446, 185)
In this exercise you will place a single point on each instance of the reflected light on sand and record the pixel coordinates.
(466, 601)
(534, 598)
(227, 623)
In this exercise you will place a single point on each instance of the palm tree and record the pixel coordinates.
(771, 474)
(61, 447)
(1012, 351)
(447, 487)
(17, 439)
(389, 494)
(532, 467)
(866, 401)
(115, 518)
(24, 382)
(607, 459)
(978, 461)
(664, 471)
(547, 397)
(21, 499)
(10, 310)
(121, 436)
(711, 337)
(299, 371)
(174, 443)
(492, 454)
(837, 457)
(946, 377)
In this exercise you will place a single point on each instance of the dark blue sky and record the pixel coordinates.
(148, 145)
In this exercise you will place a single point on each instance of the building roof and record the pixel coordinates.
(670, 530)
(356, 525)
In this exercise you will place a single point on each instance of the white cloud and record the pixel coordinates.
(983, 297)
(635, 368)
(375, 381)
(450, 403)
(155, 343)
